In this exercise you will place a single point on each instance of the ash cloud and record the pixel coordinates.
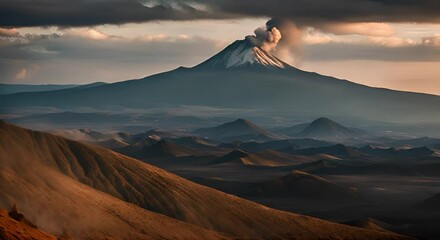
(290, 46)
(280, 37)
(266, 37)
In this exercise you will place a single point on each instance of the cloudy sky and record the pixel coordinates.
(383, 43)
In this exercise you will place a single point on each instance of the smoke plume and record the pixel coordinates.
(289, 47)
(265, 38)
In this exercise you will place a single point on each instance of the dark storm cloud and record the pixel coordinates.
(315, 11)
(18, 13)
(303, 12)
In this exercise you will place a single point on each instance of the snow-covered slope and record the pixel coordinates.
(243, 53)
(248, 83)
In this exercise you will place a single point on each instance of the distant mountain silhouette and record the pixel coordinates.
(242, 77)
(324, 128)
(238, 130)
(17, 88)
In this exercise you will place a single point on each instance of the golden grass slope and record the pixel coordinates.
(67, 162)
(11, 229)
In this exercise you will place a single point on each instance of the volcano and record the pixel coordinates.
(242, 54)
(241, 77)
(240, 129)
(325, 128)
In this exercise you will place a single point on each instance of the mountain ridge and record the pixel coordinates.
(237, 130)
(152, 188)
(326, 128)
(285, 92)
(243, 54)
